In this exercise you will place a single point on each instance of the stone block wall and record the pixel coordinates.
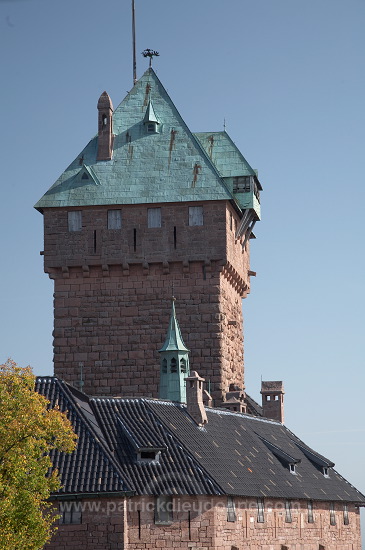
(103, 526)
(111, 309)
(200, 522)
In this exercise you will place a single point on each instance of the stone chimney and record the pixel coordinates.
(235, 399)
(194, 398)
(273, 400)
(105, 127)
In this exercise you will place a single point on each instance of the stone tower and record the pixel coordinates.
(145, 208)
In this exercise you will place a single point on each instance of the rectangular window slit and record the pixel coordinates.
(175, 237)
(135, 239)
(346, 519)
(189, 524)
(260, 510)
(288, 517)
(139, 523)
(332, 514)
(94, 241)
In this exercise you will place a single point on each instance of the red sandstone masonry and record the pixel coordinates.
(201, 523)
(112, 304)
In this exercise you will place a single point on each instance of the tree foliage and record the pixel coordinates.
(29, 430)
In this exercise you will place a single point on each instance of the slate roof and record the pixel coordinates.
(168, 166)
(234, 454)
(92, 467)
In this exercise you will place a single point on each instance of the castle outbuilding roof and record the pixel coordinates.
(233, 454)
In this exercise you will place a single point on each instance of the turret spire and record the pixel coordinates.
(174, 365)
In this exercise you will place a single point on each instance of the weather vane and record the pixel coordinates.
(150, 53)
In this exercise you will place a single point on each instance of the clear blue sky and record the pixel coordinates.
(288, 78)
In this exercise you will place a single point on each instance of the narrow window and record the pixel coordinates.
(173, 365)
(196, 215)
(139, 523)
(175, 237)
(94, 241)
(114, 219)
(148, 455)
(152, 128)
(332, 514)
(70, 512)
(74, 220)
(163, 509)
(134, 239)
(154, 217)
(189, 524)
(292, 469)
(288, 517)
(310, 512)
(164, 366)
(346, 519)
(231, 512)
(325, 472)
(182, 365)
(260, 510)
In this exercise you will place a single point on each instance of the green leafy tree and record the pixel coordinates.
(29, 430)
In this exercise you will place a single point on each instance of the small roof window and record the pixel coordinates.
(150, 119)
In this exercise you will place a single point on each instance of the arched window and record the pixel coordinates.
(182, 365)
(173, 365)
(105, 120)
(164, 366)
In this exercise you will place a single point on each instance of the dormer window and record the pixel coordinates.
(292, 469)
(150, 120)
(152, 128)
(325, 472)
(149, 455)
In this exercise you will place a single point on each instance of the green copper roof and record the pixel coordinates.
(167, 166)
(228, 160)
(150, 115)
(174, 341)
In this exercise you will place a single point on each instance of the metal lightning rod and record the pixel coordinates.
(134, 43)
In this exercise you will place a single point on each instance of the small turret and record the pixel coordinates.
(273, 400)
(105, 127)
(174, 365)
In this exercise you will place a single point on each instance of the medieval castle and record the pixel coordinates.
(147, 238)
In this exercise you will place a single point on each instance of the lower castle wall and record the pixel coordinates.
(201, 523)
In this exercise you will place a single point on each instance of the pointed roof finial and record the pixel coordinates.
(150, 53)
(174, 340)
